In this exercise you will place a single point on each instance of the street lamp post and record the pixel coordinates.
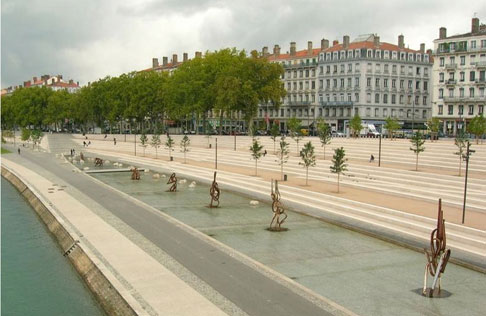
(413, 115)
(216, 155)
(466, 157)
(379, 154)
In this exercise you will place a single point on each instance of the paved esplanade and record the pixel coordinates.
(250, 290)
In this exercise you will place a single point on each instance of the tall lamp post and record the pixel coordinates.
(413, 115)
(466, 157)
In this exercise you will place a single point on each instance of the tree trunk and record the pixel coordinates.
(416, 163)
(274, 147)
(155, 152)
(324, 150)
(281, 172)
(184, 155)
(306, 175)
(338, 183)
(221, 122)
(256, 170)
(460, 164)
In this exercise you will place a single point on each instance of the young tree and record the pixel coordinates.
(339, 163)
(294, 127)
(256, 152)
(417, 141)
(477, 126)
(391, 125)
(324, 132)
(308, 159)
(274, 132)
(433, 124)
(25, 135)
(169, 144)
(282, 154)
(143, 142)
(460, 141)
(155, 143)
(36, 136)
(185, 142)
(355, 125)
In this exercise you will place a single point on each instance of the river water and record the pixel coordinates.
(36, 278)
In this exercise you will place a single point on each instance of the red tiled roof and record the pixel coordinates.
(298, 54)
(64, 85)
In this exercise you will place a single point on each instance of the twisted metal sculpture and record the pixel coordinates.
(214, 192)
(98, 162)
(437, 256)
(135, 173)
(172, 180)
(277, 209)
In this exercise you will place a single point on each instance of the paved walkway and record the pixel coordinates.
(153, 287)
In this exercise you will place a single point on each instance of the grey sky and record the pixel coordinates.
(89, 39)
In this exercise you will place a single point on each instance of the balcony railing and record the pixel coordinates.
(479, 64)
(336, 103)
(480, 81)
(295, 103)
(451, 82)
(451, 66)
(465, 99)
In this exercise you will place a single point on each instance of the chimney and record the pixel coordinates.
(335, 42)
(442, 33)
(345, 41)
(155, 62)
(174, 59)
(292, 48)
(184, 57)
(309, 48)
(276, 50)
(34, 79)
(164, 61)
(422, 48)
(59, 77)
(71, 81)
(324, 44)
(265, 51)
(401, 43)
(376, 41)
(475, 25)
(77, 83)
(198, 55)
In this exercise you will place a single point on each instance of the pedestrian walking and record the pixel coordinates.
(18, 150)
(89, 143)
(84, 143)
(265, 153)
(114, 141)
(372, 158)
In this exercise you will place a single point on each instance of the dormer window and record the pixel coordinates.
(378, 54)
(387, 54)
(394, 55)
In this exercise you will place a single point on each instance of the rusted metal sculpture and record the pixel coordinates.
(437, 256)
(135, 173)
(214, 192)
(173, 181)
(98, 162)
(279, 215)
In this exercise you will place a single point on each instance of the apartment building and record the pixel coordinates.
(375, 80)
(52, 82)
(459, 77)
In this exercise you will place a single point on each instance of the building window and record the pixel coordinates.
(461, 76)
(472, 76)
(385, 98)
(368, 111)
(356, 82)
(426, 86)
(385, 112)
(356, 97)
(313, 85)
(394, 83)
(473, 44)
(377, 82)
(282, 112)
(377, 98)
(401, 84)
(463, 60)
(424, 114)
(417, 85)
(368, 82)
(368, 97)
(393, 99)
(417, 100)
(328, 83)
(461, 92)
(418, 71)
(328, 69)
(451, 93)
(394, 69)
(480, 109)
(424, 100)
(349, 97)
(471, 92)
(377, 112)
(410, 82)
(450, 109)
(441, 93)
(441, 109)
(441, 77)
(461, 110)
(442, 61)
(385, 83)
(393, 113)
(401, 99)
(471, 110)
(400, 112)
(342, 83)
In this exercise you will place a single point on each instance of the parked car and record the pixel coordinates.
(337, 134)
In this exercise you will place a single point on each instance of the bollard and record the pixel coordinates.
(285, 177)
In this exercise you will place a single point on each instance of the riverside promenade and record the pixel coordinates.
(158, 265)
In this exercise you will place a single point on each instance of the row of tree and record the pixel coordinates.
(224, 82)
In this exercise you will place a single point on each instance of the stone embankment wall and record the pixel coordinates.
(107, 295)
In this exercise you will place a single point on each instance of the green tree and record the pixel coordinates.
(256, 152)
(460, 141)
(36, 136)
(324, 133)
(308, 159)
(294, 127)
(25, 134)
(56, 109)
(143, 142)
(356, 125)
(156, 142)
(282, 155)
(417, 141)
(391, 125)
(169, 144)
(433, 124)
(185, 142)
(339, 163)
(477, 127)
(274, 133)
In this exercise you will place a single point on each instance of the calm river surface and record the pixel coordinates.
(36, 278)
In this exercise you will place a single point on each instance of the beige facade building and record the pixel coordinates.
(459, 77)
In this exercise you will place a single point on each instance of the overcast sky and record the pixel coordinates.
(87, 39)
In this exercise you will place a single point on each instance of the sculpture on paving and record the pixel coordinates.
(98, 162)
(135, 173)
(437, 256)
(278, 210)
(172, 180)
(214, 192)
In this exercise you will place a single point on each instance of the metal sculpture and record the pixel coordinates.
(214, 192)
(172, 180)
(277, 209)
(135, 173)
(98, 162)
(437, 256)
